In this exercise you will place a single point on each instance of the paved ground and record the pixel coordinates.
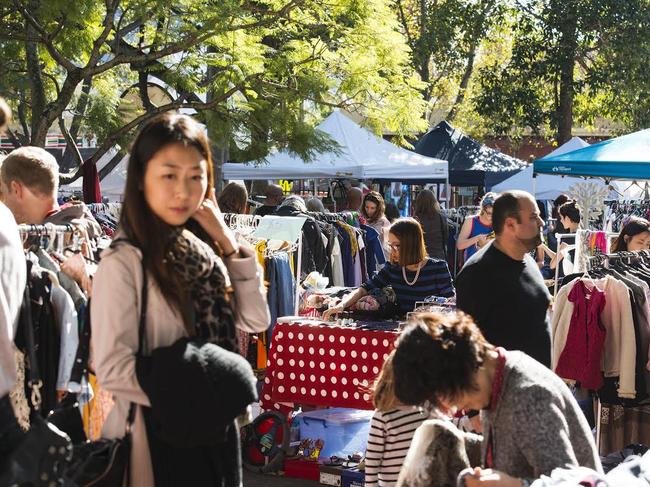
(260, 480)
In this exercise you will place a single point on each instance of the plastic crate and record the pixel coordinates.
(343, 431)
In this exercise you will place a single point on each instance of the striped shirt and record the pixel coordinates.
(389, 440)
(434, 280)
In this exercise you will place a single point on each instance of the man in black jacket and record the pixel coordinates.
(501, 286)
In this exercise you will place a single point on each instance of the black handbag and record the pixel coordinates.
(106, 462)
(41, 456)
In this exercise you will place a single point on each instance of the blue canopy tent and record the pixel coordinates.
(626, 157)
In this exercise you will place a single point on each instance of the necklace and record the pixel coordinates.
(417, 274)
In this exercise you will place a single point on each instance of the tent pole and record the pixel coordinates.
(447, 193)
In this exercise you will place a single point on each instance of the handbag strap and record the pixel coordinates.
(35, 382)
(80, 367)
(141, 329)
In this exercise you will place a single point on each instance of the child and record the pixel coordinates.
(391, 430)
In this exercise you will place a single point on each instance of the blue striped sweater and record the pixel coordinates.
(434, 280)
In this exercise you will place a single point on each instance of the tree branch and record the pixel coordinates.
(404, 23)
(122, 131)
(14, 139)
(469, 69)
(109, 22)
(71, 144)
(45, 39)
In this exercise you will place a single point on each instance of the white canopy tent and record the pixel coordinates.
(362, 155)
(547, 186)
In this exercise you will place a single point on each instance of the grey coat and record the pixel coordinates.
(537, 425)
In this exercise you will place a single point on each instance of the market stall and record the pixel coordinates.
(361, 154)
(320, 364)
(621, 397)
(470, 163)
(547, 187)
(626, 157)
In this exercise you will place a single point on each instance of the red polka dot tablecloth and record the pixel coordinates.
(324, 365)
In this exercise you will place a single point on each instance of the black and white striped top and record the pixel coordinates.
(389, 440)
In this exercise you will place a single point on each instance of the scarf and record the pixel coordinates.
(204, 275)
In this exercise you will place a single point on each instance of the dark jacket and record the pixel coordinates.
(313, 248)
(196, 391)
(436, 233)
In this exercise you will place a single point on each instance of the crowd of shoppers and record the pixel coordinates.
(176, 288)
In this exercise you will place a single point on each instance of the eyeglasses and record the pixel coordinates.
(393, 246)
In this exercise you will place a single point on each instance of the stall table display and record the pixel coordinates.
(314, 363)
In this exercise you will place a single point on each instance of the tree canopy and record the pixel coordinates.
(258, 73)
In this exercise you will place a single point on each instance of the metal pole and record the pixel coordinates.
(298, 271)
(534, 185)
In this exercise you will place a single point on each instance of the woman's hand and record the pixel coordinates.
(481, 241)
(333, 311)
(209, 216)
(491, 478)
(75, 267)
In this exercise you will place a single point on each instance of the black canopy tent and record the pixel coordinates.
(470, 162)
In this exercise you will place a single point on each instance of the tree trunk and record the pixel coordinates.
(568, 52)
(105, 171)
(469, 69)
(422, 51)
(70, 154)
(37, 88)
(220, 151)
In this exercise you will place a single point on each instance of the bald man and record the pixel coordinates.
(501, 286)
(274, 196)
(355, 198)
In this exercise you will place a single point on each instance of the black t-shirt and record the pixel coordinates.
(508, 300)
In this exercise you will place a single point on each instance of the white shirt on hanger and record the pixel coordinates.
(12, 287)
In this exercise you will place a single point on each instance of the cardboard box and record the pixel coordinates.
(352, 477)
(330, 475)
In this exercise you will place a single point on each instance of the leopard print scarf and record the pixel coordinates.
(206, 278)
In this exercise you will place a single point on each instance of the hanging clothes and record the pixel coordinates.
(580, 359)
(281, 288)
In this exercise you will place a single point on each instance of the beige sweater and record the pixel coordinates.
(620, 346)
(115, 311)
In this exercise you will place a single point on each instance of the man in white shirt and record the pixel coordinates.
(12, 286)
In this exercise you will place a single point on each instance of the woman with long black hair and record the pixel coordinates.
(198, 278)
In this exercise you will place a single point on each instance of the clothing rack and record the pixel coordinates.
(44, 229)
(341, 216)
(559, 237)
(269, 227)
(621, 209)
(289, 229)
(600, 262)
(56, 233)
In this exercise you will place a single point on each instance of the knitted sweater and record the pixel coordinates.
(537, 425)
(438, 453)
